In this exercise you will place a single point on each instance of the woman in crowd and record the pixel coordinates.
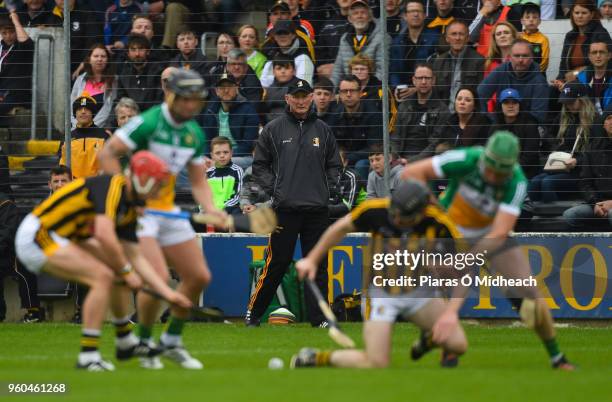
(466, 126)
(577, 116)
(510, 117)
(98, 82)
(503, 36)
(363, 68)
(248, 39)
(225, 43)
(586, 28)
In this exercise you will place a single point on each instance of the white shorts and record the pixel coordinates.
(167, 231)
(34, 244)
(387, 309)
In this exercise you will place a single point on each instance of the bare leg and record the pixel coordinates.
(427, 316)
(148, 306)
(377, 338)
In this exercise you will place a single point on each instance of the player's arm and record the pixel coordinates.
(108, 157)
(422, 170)
(145, 270)
(104, 233)
(307, 266)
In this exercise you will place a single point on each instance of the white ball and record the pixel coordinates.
(275, 363)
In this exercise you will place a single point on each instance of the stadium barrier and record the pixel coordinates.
(573, 272)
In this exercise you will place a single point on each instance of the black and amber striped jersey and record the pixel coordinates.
(71, 210)
(435, 233)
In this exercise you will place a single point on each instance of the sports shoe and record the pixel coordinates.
(180, 356)
(96, 365)
(421, 346)
(561, 363)
(449, 360)
(140, 349)
(250, 320)
(34, 315)
(323, 324)
(151, 363)
(306, 357)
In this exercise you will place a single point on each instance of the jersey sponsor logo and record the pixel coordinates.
(288, 141)
(189, 139)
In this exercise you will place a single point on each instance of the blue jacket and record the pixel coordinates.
(532, 86)
(401, 64)
(586, 75)
(243, 121)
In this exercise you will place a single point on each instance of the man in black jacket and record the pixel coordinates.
(596, 183)
(298, 166)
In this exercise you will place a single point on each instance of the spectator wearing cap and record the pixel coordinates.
(586, 29)
(231, 115)
(413, 45)
(34, 13)
(420, 116)
(576, 119)
(298, 166)
(324, 101)
(281, 11)
(359, 124)
(139, 78)
(86, 141)
(118, 23)
(510, 117)
(274, 103)
(17, 51)
(363, 36)
(190, 56)
(595, 183)
(289, 10)
(605, 8)
(598, 75)
(329, 35)
(287, 44)
(522, 74)
(249, 85)
(99, 82)
(460, 66)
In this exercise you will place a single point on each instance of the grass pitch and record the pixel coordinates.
(504, 364)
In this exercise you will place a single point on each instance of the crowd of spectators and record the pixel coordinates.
(458, 71)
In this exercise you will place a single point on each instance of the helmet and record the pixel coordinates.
(409, 198)
(147, 169)
(186, 83)
(501, 152)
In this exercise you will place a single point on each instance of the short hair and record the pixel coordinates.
(220, 140)
(457, 22)
(601, 41)
(60, 170)
(350, 78)
(414, 1)
(424, 65)
(283, 61)
(236, 53)
(138, 40)
(128, 103)
(522, 41)
(141, 17)
(376, 149)
(324, 83)
(184, 30)
(363, 60)
(530, 8)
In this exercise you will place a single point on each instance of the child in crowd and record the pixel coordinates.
(530, 19)
(225, 177)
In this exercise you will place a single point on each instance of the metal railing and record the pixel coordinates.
(50, 70)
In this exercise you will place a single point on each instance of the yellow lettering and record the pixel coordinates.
(567, 280)
(338, 275)
(257, 252)
(546, 269)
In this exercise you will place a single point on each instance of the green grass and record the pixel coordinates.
(503, 364)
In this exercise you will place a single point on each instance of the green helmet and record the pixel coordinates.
(501, 152)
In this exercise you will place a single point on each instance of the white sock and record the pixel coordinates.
(127, 341)
(170, 340)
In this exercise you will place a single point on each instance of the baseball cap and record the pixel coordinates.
(358, 3)
(283, 26)
(280, 4)
(86, 102)
(509, 93)
(5, 21)
(501, 152)
(602, 2)
(299, 86)
(225, 77)
(572, 91)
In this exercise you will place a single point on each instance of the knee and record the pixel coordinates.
(457, 345)
(103, 277)
(378, 362)
(199, 280)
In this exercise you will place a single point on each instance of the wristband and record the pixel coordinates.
(127, 268)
